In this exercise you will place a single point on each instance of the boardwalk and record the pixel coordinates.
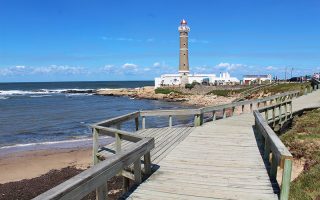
(219, 160)
(228, 158)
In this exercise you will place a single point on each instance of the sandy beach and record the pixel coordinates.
(30, 164)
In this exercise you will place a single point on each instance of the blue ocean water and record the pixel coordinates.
(42, 112)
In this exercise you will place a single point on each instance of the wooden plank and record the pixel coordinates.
(117, 120)
(147, 113)
(112, 132)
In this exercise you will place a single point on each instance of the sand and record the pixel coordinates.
(30, 164)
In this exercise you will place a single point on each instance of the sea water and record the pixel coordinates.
(42, 113)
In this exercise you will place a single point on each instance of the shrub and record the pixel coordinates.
(190, 86)
(165, 91)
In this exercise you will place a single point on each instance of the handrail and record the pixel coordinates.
(112, 132)
(119, 119)
(197, 113)
(145, 113)
(97, 176)
(280, 155)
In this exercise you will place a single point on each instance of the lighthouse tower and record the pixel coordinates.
(183, 59)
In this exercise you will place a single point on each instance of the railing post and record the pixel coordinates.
(233, 109)
(170, 121)
(214, 116)
(118, 143)
(147, 163)
(266, 113)
(137, 171)
(290, 109)
(143, 122)
(280, 114)
(198, 119)
(286, 111)
(195, 120)
(242, 108)
(224, 113)
(250, 107)
(286, 178)
(102, 192)
(136, 120)
(125, 185)
(258, 105)
(274, 167)
(95, 139)
(274, 116)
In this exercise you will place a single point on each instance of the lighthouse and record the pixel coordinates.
(183, 76)
(183, 57)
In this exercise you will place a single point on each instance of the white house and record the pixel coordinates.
(175, 79)
(248, 79)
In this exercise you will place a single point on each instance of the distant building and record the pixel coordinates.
(249, 79)
(184, 77)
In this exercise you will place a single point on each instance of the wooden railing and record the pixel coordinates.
(96, 177)
(231, 107)
(280, 113)
(274, 149)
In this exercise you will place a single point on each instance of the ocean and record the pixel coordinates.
(39, 113)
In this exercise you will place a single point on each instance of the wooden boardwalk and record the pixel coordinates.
(219, 160)
(166, 139)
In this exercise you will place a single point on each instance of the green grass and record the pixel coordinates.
(166, 91)
(285, 87)
(303, 140)
(226, 93)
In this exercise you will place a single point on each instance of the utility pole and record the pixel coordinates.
(285, 75)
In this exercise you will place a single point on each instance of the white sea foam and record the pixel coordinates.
(61, 142)
(3, 97)
(42, 92)
(39, 96)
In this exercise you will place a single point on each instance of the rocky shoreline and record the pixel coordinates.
(148, 92)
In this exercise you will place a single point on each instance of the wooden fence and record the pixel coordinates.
(275, 151)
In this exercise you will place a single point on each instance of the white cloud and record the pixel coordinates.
(53, 69)
(229, 66)
(193, 40)
(59, 69)
(156, 64)
(271, 68)
(130, 68)
(202, 69)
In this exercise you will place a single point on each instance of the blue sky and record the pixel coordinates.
(42, 40)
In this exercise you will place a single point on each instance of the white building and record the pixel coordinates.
(184, 76)
(175, 79)
(248, 79)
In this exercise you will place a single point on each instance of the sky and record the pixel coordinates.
(82, 40)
